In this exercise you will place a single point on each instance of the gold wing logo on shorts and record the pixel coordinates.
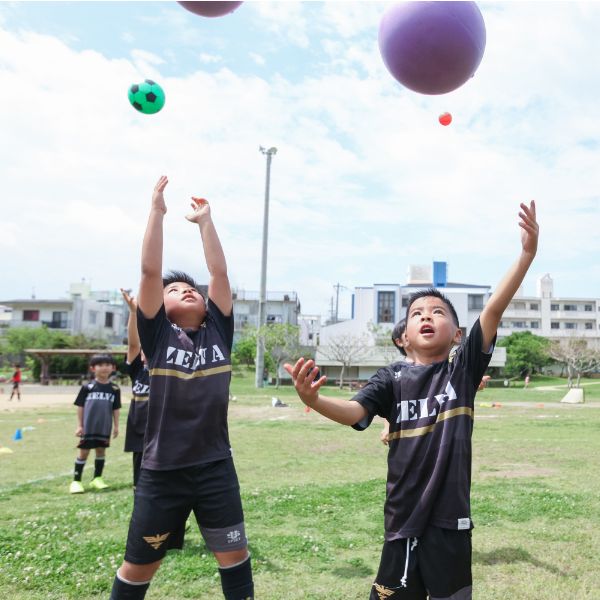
(383, 592)
(156, 541)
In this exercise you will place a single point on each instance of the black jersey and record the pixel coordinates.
(430, 410)
(98, 401)
(138, 409)
(190, 373)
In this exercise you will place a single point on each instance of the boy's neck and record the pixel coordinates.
(429, 358)
(102, 379)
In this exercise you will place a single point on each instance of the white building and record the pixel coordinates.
(310, 330)
(557, 318)
(281, 307)
(94, 314)
(383, 305)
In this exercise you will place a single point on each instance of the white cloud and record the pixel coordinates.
(365, 181)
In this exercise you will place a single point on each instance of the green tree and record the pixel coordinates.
(18, 339)
(244, 351)
(525, 353)
(282, 343)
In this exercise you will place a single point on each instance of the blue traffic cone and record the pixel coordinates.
(18, 435)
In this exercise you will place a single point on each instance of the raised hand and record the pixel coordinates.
(303, 375)
(200, 210)
(130, 300)
(530, 229)
(158, 200)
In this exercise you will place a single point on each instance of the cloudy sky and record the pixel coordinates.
(365, 181)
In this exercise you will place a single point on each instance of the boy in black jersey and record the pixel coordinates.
(430, 405)
(98, 404)
(187, 462)
(140, 388)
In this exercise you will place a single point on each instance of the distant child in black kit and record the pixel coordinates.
(187, 463)
(137, 417)
(98, 404)
(430, 407)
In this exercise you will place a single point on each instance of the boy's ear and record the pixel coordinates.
(457, 336)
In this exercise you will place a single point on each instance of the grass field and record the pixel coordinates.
(313, 494)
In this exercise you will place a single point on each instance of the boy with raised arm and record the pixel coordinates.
(187, 464)
(430, 407)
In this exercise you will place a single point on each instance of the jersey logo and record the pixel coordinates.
(156, 541)
(383, 592)
(412, 410)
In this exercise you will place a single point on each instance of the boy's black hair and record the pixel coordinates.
(436, 294)
(102, 359)
(397, 332)
(180, 276)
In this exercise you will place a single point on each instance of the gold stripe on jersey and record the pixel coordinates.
(138, 398)
(419, 431)
(194, 375)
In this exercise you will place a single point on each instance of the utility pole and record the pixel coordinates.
(262, 302)
(337, 288)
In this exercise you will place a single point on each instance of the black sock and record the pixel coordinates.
(237, 582)
(79, 464)
(127, 590)
(98, 467)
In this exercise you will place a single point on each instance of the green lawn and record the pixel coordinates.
(313, 494)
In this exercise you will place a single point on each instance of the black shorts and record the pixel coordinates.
(438, 567)
(164, 500)
(90, 444)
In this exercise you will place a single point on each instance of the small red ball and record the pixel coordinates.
(445, 119)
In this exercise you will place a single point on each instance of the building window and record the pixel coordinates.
(534, 306)
(93, 315)
(589, 325)
(404, 301)
(501, 325)
(108, 319)
(310, 337)
(570, 307)
(31, 315)
(588, 308)
(519, 305)
(272, 319)
(386, 307)
(475, 301)
(518, 324)
(59, 319)
(569, 325)
(554, 307)
(554, 325)
(535, 324)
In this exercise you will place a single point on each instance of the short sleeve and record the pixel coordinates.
(117, 402)
(81, 396)
(151, 330)
(224, 324)
(376, 397)
(474, 357)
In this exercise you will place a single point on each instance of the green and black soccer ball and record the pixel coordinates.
(146, 97)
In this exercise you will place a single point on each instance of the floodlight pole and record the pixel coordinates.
(262, 302)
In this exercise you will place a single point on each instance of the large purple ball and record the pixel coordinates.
(432, 47)
(210, 9)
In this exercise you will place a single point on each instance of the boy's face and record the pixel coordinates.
(102, 370)
(430, 326)
(183, 300)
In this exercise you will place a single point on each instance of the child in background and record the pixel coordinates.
(400, 341)
(137, 417)
(16, 381)
(98, 404)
